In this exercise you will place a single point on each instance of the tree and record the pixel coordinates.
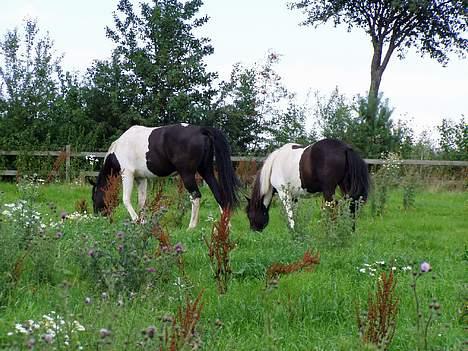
(453, 139)
(162, 60)
(433, 27)
(30, 79)
(256, 111)
(334, 116)
(347, 121)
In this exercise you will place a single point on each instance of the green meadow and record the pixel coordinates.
(92, 284)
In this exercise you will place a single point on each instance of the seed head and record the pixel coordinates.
(104, 333)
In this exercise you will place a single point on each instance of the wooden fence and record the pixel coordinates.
(69, 154)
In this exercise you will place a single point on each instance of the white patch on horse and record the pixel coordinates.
(281, 172)
(195, 212)
(184, 124)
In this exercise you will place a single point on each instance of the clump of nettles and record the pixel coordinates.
(424, 320)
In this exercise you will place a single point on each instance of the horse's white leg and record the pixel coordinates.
(195, 212)
(127, 186)
(287, 203)
(142, 191)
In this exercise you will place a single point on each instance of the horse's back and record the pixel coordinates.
(323, 164)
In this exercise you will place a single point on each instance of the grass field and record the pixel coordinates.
(306, 310)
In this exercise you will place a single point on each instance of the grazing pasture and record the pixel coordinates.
(86, 283)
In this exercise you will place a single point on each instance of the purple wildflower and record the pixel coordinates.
(120, 247)
(178, 248)
(120, 235)
(150, 331)
(91, 253)
(58, 235)
(63, 215)
(151, 269)
(425, 267)
(48, 338)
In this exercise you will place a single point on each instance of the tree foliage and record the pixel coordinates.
(161, 60)
(256, 110)
(340, 119)
(432, 27)
(453, 139)
(37, 97)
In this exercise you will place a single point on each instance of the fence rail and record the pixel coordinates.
(99, 154)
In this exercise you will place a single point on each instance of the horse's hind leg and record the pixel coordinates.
(352, 205)
(191, 185)
(210, 179)
(127, 187)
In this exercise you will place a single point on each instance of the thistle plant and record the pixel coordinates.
(423, 321)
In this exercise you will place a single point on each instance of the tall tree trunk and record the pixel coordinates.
(376, 73)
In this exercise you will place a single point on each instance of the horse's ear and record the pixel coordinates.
(91, 181)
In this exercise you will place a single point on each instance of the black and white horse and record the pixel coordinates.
(293, 169)
(143, 152)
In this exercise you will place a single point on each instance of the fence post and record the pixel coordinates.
(67, 163)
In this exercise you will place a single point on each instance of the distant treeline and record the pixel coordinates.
(157, 75)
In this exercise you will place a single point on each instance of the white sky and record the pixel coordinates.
(421, 90)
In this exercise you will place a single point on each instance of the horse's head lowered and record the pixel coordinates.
(97, 195)
(257, 213)
(109, 171)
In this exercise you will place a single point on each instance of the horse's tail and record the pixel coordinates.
(356, 180)
(227, 179)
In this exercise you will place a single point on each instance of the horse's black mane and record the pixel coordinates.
(110, 167)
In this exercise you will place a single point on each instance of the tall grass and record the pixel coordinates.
(123, 305)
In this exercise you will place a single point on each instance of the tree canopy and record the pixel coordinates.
(162, 60)
(432, 27)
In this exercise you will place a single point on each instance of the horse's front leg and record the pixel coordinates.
(127, 186)
(287, 201)
(142, 184)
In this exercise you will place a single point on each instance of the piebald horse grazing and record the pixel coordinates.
(293, 169)
(143, 152)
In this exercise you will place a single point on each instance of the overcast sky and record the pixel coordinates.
(312, 59)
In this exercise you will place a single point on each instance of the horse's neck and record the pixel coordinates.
(265, 188)
(281, 169)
